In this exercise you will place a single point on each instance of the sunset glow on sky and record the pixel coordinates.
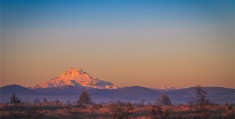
(152, 43)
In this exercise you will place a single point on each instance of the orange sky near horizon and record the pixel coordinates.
(147, 63)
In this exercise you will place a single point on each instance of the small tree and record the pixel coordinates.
(200, 96)
(14, 99)
(164, 100)
(84, 98)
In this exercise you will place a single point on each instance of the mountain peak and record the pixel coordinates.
(77, 78)
(73, 72)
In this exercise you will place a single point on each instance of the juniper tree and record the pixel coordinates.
(164, 100)
(85, 98)
(14, 99)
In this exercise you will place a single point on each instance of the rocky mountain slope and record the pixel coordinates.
(76, 78)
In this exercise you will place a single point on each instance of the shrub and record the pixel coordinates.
(121, 110)
(157, 112)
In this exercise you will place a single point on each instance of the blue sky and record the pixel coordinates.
(18, 13)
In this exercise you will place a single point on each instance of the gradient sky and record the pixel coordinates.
(152, 43)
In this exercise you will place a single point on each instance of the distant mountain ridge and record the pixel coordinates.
(135, 94)
(77, 78)
(10, 89)
(70, 84)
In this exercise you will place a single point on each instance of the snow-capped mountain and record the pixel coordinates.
(77, 78)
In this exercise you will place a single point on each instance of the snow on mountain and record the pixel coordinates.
(169, 88)
(77, 78)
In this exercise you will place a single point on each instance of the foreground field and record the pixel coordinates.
(115, 111)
